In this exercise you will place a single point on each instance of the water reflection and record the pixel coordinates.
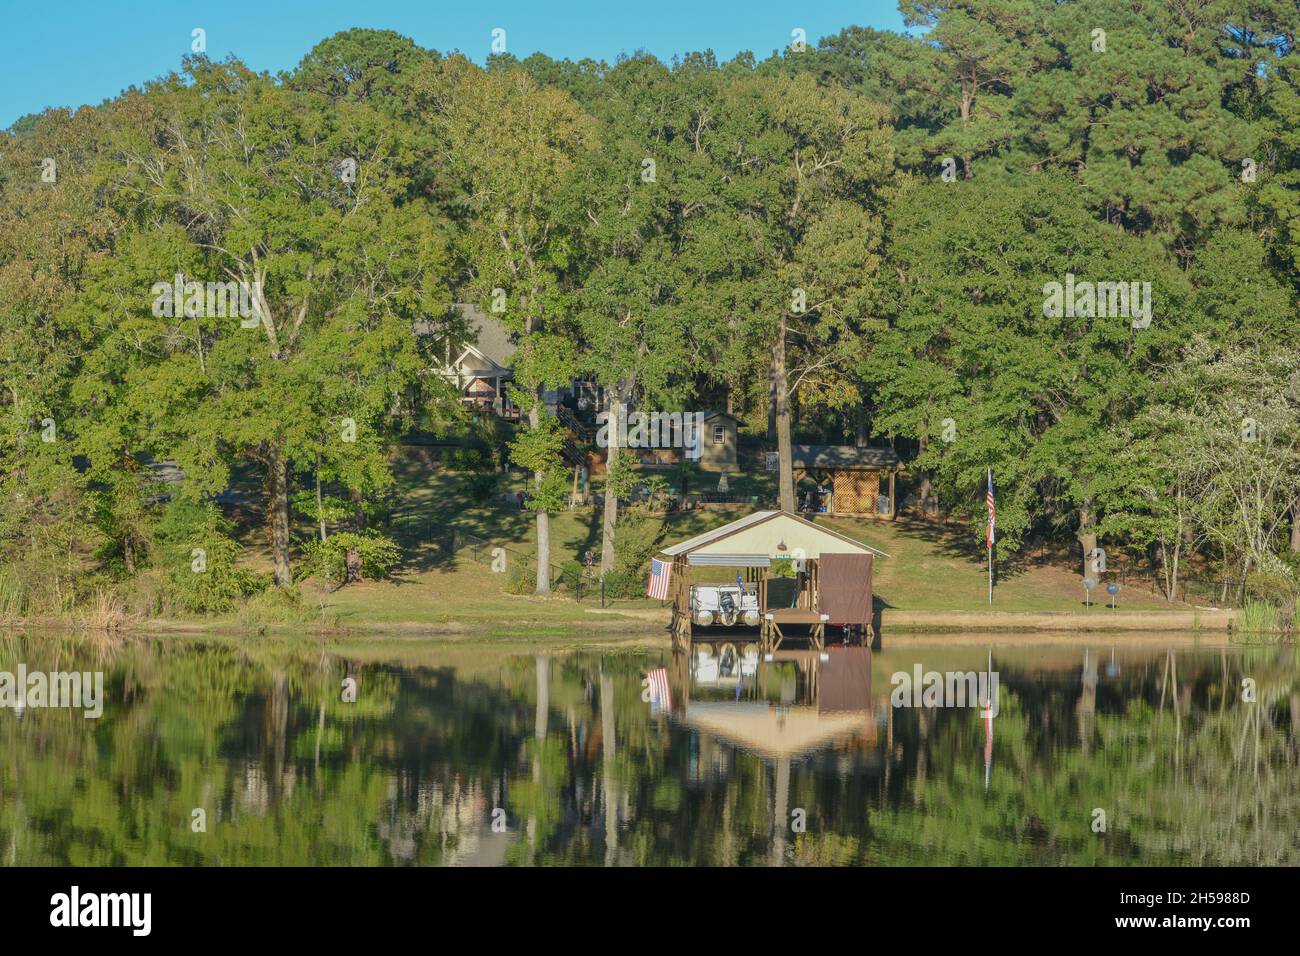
(483, 756)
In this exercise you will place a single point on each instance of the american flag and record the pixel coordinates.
(660, 572)
(660, 697)
(988, 500)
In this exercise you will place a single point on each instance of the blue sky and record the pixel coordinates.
(76, 52)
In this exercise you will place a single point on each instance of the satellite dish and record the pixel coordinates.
(1089, 583)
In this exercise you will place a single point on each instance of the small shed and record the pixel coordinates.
(718, 444)
(774, 575)
(861, 480)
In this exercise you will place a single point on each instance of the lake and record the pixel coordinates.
(271, 751)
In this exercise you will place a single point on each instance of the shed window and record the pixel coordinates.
(719, 435)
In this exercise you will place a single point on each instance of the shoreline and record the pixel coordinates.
(649, 626)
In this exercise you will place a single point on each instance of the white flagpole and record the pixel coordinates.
(989, 541)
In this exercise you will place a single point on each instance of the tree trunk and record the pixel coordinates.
(320, 509)
(926, 489)
(543, 519)
(1173, 577)
(1295, 525)
(771, 400)
(277, 480)
(128, 553)
(782, 406)
(1087, 531)
(610, 515)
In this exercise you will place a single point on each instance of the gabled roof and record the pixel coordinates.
(749, 535)
(488, 339)
(772, 732)
(846, 457)
(491, 336)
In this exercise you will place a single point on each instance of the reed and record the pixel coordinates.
(105, 612)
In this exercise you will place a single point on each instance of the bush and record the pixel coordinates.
(635, 540)
(277, 606)
(1271, 587)
(520, 580)
(571, 573)
(622, 583)
(482, 486)
(199, 559)
(329, 559)
(465, 459)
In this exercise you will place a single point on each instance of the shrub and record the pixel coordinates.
(482, 486)
(464, 459)
(622, 583)
(199, 559)
(571, 573)
(520, 580)
(277, 606)
(1271, 587)
(635, 539)
(329, 559)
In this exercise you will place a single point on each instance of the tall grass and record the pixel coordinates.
(13, 598)
(1258, 618)
(106, 611)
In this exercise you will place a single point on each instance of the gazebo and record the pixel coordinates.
(854, 475)
(774, 576)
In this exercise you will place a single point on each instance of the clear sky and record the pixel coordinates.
(76, 52)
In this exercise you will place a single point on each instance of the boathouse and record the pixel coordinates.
(771, 577)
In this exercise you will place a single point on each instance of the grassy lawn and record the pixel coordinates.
(930, 567)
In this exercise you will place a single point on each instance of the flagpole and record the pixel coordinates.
(989, 537)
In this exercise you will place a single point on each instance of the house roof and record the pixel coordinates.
(491, 336)
(844, 457)
(762, 533)
(488, 338)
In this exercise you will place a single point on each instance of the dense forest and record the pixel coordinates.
(1056, 240)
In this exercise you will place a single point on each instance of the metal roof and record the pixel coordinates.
(710, 536)
(758, 517)
(843, 457)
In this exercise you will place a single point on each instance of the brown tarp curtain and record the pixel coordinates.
(844, 585)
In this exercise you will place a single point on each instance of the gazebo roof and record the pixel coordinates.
(758, 538)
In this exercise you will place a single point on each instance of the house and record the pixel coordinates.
(769, 577)
(851, 480)
(717, 443)
(479, 366)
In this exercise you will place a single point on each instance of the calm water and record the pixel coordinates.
(799, 762)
